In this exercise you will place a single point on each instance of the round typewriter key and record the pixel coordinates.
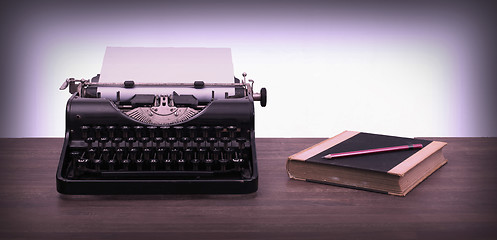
(185, 141)
(117, 141)
(198, 141)
(165, 131)
(151, 131)
(171, 141)
(138, 131)
(223, 162)
(205, 131)
(84, 131)
(211, 142)
(98, 131)
(192, 130)
(125, 131)
(179, 131)
(218, 130)
(225, 141)
(241, 143)
(111, 130)
(153, 164)
(89, 141)
(232, 131)
(158, 141)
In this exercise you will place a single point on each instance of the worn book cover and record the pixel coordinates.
(392, 172)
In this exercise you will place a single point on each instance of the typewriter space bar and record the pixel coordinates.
(157, 174)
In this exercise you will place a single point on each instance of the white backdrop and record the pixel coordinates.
(398, 71)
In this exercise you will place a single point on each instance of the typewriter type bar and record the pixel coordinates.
(156, 144)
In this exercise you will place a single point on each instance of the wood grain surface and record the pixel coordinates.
(459, 201)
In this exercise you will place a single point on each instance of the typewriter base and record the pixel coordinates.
(155, 187)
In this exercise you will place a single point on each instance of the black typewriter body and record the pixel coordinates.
(157, 144)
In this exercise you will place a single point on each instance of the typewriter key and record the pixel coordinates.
(179, 131)
(98, 131)
(232, 131)
(165, 131)
(185, 141)
(205, 131)
(84, 132)
(138, 131)
(198, 141)
(218, 130)
(192, 130)
(111, 131)
(153, 164)
(158, 141)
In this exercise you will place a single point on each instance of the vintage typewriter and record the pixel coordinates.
(134, 142)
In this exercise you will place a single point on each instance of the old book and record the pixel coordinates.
(392, 172)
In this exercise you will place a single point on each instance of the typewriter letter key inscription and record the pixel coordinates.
(151, 138)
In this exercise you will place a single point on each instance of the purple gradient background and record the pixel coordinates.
(409, 69)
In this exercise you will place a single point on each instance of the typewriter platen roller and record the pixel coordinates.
(134, 137)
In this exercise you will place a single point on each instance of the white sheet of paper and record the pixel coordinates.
(156, 64)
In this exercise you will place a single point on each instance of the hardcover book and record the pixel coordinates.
(392, 172)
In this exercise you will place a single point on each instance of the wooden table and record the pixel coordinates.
(459, 201)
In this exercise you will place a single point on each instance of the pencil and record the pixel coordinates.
(375, 150)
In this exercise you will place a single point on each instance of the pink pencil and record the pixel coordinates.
(376, 150)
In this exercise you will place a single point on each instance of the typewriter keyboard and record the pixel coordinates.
(162, 152)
